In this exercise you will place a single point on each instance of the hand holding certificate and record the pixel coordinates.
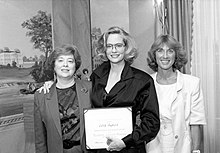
(106, 122)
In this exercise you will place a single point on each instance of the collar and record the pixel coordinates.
(104, 69)
(179, 79)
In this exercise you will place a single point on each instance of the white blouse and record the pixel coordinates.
(165, 94)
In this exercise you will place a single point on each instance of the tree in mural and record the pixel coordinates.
(40, 31)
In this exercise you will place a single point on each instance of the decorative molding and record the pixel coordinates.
(12, 119)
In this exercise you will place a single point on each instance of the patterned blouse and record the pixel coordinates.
(69, 116)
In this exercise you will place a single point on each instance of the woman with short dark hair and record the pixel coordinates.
(58, 114)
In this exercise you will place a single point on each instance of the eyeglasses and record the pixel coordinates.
(117, 46)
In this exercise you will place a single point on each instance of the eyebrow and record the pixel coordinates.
(67, 58)
(115, 43)
(167, 49)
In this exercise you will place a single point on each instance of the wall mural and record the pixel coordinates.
(22, 58)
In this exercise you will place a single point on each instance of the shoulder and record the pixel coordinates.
(39, 97)
(83, 82)
(189, 81)
(101, 70)
(141, 75)
(190, 78)
(39, 94)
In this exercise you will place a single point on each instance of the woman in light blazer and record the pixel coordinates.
(58, 115)
(180, 100)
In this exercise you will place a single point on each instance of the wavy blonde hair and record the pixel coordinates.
(130, 45)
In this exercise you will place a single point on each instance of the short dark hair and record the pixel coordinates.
(65, 49)
(172, 43)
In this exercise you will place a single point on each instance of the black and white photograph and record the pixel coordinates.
(64, 61)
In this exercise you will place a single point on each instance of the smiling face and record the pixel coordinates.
(65, 66)
(115, 48)
(165, 58)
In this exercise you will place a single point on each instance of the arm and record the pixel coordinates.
(39, 128)
(197, 117)
(149, 116)
(197, 132)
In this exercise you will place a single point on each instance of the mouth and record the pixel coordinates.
(65, 70)
(115, 55)
(165, 62)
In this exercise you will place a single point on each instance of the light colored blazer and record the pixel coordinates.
(186, 109)
(48, 136)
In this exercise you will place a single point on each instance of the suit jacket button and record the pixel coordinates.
(176, 136)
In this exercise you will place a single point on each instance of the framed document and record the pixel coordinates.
(103, 122)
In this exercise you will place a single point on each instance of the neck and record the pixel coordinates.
(116, 68)
(166, 76)
(65, 83)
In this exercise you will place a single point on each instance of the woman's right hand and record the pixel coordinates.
(45, 87)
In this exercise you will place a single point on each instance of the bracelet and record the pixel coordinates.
(196, 151)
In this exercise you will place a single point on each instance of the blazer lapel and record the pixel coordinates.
(103, 72)
(83, 94)
(176, 117)
(176, 106)
(52, 104)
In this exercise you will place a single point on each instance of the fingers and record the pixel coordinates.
(115, 144)
(112, 149)
(46, 88)
(40, 89)
(109, 138)
(111, 144)
(108, 141)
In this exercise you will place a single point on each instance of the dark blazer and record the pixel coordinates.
(48, 136)
(136, 88)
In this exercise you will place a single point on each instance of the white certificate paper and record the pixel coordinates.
(102, 122)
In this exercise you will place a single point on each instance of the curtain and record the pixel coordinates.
(71, 25)
(178, 17)
(205, 64)
(161, 25)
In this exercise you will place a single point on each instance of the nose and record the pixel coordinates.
(113, 49)
(65, 63)
(165, 54)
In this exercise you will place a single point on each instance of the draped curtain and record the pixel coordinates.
(175, 18)
(71, 25)
(205, 64)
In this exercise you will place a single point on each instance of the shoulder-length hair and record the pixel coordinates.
(130, 45)
(65, 49)
(171, 43)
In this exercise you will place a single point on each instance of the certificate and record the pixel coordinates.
(103, 122)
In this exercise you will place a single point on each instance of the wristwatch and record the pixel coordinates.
(196, 151)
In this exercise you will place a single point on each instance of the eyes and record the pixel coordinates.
(59, 60)
(168, 51)
(117, 46)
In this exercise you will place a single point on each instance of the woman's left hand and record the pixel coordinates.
(115, 144)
